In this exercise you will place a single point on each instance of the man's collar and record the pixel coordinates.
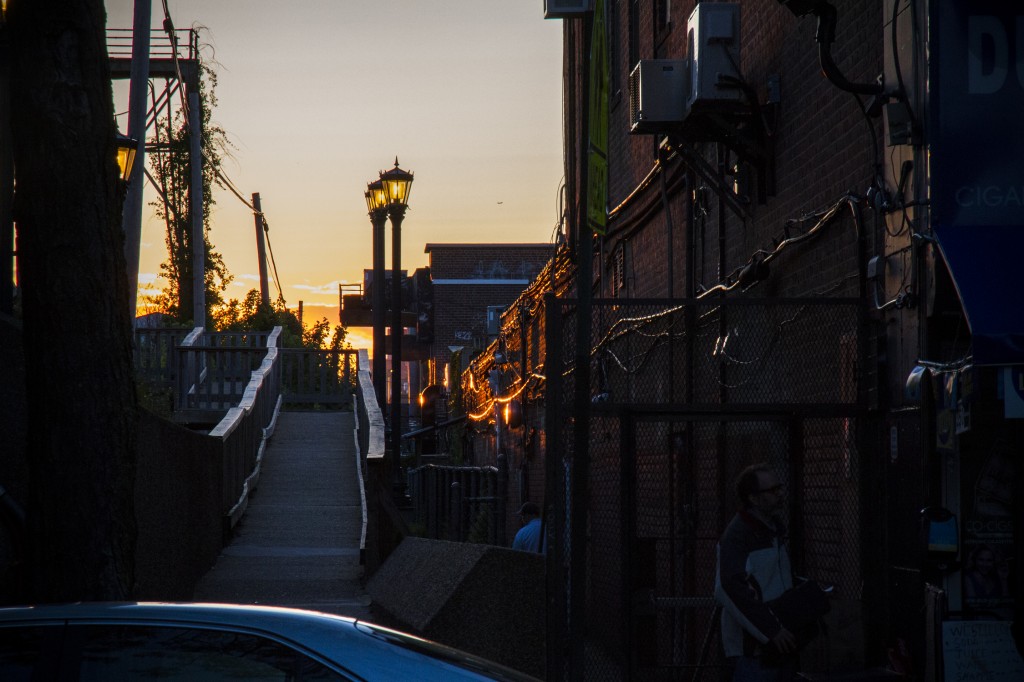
(753, 516)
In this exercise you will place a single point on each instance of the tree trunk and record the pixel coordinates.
(77, 327)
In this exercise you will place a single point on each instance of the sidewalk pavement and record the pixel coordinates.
(298, 543)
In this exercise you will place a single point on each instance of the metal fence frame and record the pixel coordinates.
(461, 503)
(735, 366)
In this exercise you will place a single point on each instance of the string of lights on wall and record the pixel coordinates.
(478, 390)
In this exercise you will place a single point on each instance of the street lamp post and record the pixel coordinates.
(376, 202)
(397, 185)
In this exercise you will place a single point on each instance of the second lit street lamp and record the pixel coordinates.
(376, 202)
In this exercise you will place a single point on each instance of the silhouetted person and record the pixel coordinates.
(529, 538)
(754, 568)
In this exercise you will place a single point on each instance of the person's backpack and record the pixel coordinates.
(799, 609)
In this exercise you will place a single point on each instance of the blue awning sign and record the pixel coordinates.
(976, 75)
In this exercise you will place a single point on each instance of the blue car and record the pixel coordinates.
(210, 642)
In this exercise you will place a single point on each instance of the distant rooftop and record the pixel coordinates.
(533, 245)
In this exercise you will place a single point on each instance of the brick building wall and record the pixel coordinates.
(469, 278)
(823, 150)
(682, 231)
(803, 365)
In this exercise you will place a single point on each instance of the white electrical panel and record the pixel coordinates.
(565, 9)
(713, 51)
(657, 95)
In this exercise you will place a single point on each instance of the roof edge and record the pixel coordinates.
(505, 245)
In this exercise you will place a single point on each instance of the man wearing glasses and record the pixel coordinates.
(754, 568)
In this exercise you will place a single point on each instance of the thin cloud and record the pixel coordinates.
(330, 288)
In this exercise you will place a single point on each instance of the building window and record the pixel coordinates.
(618, 270)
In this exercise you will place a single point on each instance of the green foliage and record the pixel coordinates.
(250, 314)
(316, 336)
(171, 168)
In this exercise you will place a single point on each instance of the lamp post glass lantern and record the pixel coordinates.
(376, 196)
(397, 186)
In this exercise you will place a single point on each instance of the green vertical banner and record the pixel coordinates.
(597, 153)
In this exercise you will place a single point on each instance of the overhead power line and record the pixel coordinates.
(225, 181)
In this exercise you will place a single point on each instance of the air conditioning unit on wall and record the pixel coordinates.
(713, 50)
(566, 9)
(657, 95)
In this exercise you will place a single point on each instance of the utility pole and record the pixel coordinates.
(261, 248)
(580, 472)
(131, 213)
(196, 196)
(397, 213)
(6, 177)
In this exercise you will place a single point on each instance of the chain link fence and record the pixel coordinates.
(681, 395)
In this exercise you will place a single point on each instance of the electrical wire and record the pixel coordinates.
(905, 221)
(270, 250)
(644, 184)
(222, 178)
(168, 26)
(876, 152)
(896, 56)
(488, 410)
(641, 325)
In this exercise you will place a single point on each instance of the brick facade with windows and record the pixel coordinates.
(687, 223)
(467, 279)
(773, 286)
(771, 207)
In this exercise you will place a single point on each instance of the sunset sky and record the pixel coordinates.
(317, 96)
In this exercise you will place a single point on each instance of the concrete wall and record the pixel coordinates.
(488, 601)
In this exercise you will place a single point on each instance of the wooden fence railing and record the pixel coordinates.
(208, 371)
(246, 428)
(213, 368)
(234, 383)
(325, 378)
(154, 356)
(384, 526)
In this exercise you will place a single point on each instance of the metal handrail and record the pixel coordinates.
(119, 43)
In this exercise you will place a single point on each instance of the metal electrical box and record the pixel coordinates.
(713, 50)
(657, 95)
(566, 9)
